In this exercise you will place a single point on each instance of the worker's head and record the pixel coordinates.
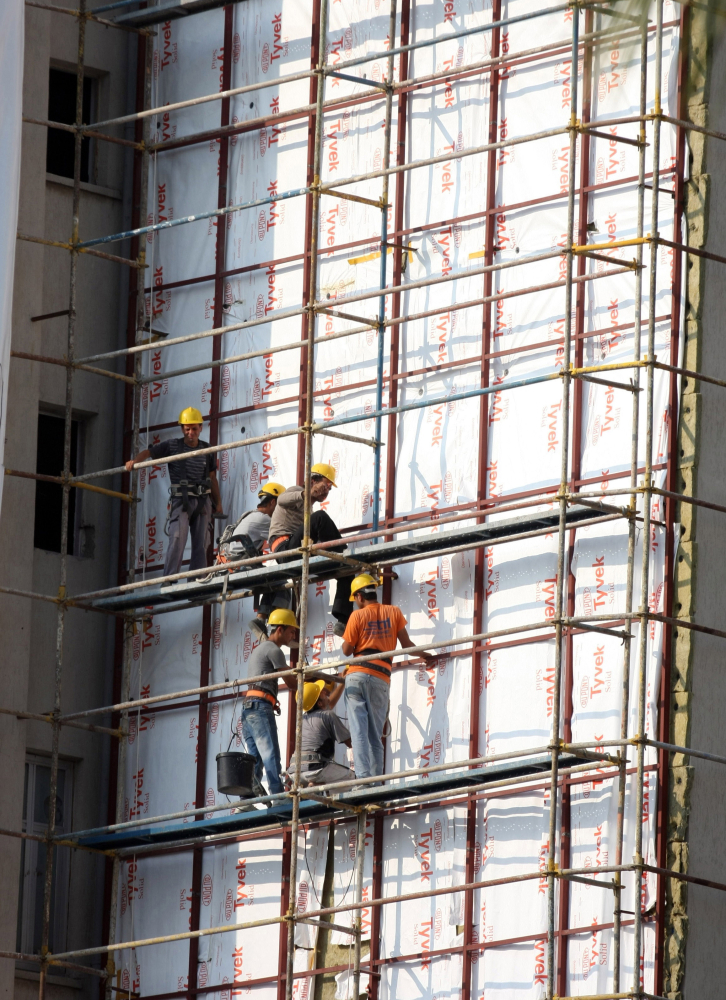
(284, 629)
(313, 694)
(267, 497)
(363, 590)
(322, 480)
(190, 421)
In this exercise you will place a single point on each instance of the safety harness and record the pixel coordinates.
(230, 535)
(376, 669)
(184, 489)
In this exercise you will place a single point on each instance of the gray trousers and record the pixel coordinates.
(179, 532)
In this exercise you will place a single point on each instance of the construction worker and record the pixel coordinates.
(247, 538)
(286, 530)
(259, 729)
(321, 730)
(193, 489)
(372, 628)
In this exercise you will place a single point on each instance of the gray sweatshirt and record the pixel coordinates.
(288, 514)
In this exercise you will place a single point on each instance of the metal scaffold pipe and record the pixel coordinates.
(635, 417)
(308, 501)
(647, 517)
(50, 859)
(562, 575)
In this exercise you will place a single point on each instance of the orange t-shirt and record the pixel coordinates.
(375, 626)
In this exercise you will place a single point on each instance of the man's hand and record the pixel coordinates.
(130, 465)
(218, 509)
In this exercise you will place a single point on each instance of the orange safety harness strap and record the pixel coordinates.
(375, 669)
(257, 693)
(278, 542)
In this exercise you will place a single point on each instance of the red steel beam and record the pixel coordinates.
(399, 234)
(137, 213)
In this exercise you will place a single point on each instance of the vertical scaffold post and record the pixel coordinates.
(627, 642)
(384, 257)
(305, 574)
(562, 531)
(130, 623)
(360, 853)
(63, 574)
(638, 970)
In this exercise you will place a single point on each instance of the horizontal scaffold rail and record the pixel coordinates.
(327, 807)
(323, 567)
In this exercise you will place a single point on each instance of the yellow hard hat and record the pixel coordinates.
(190, 416)
(325, 470)
(311, 693)
(282, 616)
(362, 581)
(273, 489)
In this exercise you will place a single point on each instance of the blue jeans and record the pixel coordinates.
(366, 704)
(259, 732)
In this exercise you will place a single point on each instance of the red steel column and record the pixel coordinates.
(287, 844)
(390, 494)
(218, 320)
(476, 686)
(137, 213)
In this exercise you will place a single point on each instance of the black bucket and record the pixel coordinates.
(235, 774)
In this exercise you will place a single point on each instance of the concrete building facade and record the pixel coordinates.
(42, 287)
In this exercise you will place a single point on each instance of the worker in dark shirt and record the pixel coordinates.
(194, 488)
(321, 730)
(287, 531)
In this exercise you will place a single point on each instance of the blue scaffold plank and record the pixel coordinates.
(311, 810)
(277, 575)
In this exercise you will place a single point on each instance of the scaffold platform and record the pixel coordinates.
(321, 567)
(312, 810)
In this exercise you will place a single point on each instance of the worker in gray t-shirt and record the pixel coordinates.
(321, 730)
(248, 538)
(259, 728)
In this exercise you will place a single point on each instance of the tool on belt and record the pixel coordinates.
(266, 696)
(184, 489)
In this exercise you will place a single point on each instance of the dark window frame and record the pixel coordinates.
(60, 146)
(48, 495)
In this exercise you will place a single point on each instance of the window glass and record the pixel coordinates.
(49, 496)
(60, 151)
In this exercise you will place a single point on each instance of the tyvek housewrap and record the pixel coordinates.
(438, 453)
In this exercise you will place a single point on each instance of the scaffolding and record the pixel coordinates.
(559, 764)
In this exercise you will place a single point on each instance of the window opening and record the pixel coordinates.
(49, 496)
(60, 151)
(36, 798)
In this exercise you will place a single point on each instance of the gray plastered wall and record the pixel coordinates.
(41, 286)
(695, 960)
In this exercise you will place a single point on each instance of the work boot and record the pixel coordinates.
(258, 628)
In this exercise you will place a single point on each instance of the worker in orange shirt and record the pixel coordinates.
(372, 628)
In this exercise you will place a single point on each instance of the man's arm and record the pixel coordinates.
(348, 648)
(216, 496)
(141, 457)
(406, 643)
(291, 499)
(334, 696)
